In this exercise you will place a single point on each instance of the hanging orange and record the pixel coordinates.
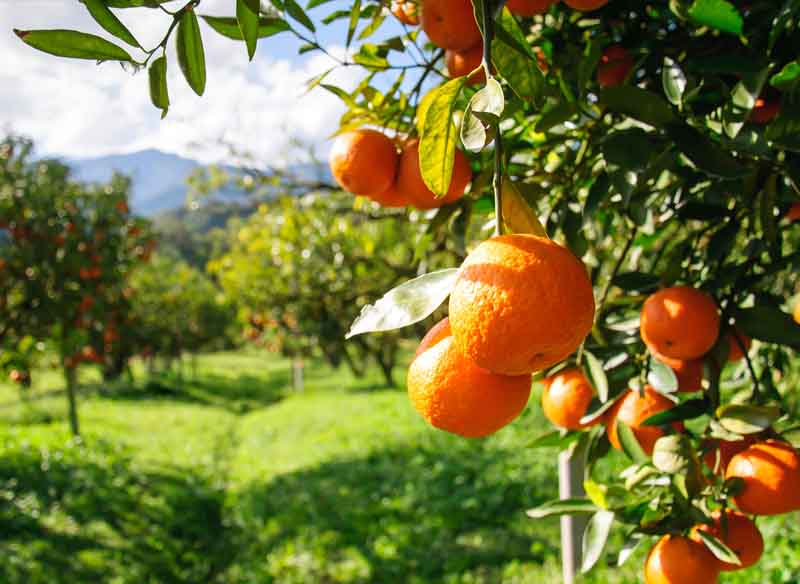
(363, 162)
(450, 24)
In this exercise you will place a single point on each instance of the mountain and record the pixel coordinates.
(159, 178)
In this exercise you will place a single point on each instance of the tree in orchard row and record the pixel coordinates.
(660, 142)
(66, 251)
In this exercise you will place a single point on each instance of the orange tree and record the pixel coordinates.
(66, 250)
(659, 140)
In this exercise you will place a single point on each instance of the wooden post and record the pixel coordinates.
(570, 485)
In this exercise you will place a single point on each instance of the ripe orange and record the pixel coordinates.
(585, 5)
(764, 110)
(615, 64)
(391, 198)
(634, 409)
(739, 533)
(679, 560)
(461, 63)
(406, 12)
(529, 7)
(727, 450)
(450, 24)
(735, 352)
(453, 394)
(566, 397)
(793, 214)
(680, 322)
(771, 474)
(411, 185)
(796, 312)
(364, 162)
(521, 303)
(688, 371)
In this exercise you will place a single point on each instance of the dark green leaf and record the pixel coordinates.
(555, 116)
(438, 138)
(704, 153)
(688, 410)
(158, 84)
(719, 549)
(785, 130)
(191, 56)
(597, 375)
(555, 439)
(562, 507)
(639, 104)
(788, 77)
(769, 324)
(630, 445)
(674, 81)
(747, 419)
(595, 537)
(520, 72)
(296, 12)
(722, 242)
(248, 26)
(642, 281)
(741, 102)
(229, 27)
(718, 14)
(73, 44)
(108, 20)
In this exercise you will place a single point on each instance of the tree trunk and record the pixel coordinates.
(71, 377)
(298, 383)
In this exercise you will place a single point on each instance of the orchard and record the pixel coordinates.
(601, 193)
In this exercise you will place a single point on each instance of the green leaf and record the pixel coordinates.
(639, 104)
(437, 143)
(248, 26)
(747, 419)
(769, 324)
(630, 445)
(674, 81)
(641, 281)
(705, 154)
(555, 116)
(741, 102)
(406, 304)
(628, 548)
(719, 549)
(562, 507)
(595, 537)
(718, 14)
(788, 77)
(158, 85)
(555, 439)
(520, 72)
(372, 57)
(355, 14)
(482, 116)
(672, 454)
(662, 377)
(109, 21)
(135, 3)
(784, 131)
(296, 12)
(229, 27)
(191, 56)
(688, 410)
(73, 44)
(630, 149)
(597, 375)
(374, 25)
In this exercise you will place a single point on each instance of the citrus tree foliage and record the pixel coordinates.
(66, 250)
(681, 170)
(176, 308)
(301, 269)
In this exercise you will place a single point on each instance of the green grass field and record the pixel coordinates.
(228, 476)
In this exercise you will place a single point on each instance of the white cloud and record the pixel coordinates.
(78, 109)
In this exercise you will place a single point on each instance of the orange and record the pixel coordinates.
(634, 409)
(735, 352)
(688, 371)
(411, 185)
(453, 394)
(727, 450)
(406, 12)
(450, 24)
(771, 474)
(566, 397)
(796, 312)
(793, 214)
(461, 63)
(364, 161)
(739, 533)
(679, 560)
(680, 322)
(585, 5)
(521, 303)
(391, 198)
(615, 64)
(529, 7)
(764, 110)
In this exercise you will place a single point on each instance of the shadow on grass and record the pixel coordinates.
(82, 514)
(397, 515)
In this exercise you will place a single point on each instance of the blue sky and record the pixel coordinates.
(77, 108)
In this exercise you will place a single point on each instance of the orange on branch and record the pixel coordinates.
(450, 24)
(738, 340)
(521, 303)
(615, 64)
(566, 397)
(529, 7)
(680, 322)
(633, 409)
(679, 560)
(689, 372)
(406, 11)
(764, 110)
(454, 394)
(461, 63)
(771, 474)
(364, 161)
(411, 185)
(585, 5)
(739, 533)
(725, 450)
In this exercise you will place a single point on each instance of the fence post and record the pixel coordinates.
(570, 485)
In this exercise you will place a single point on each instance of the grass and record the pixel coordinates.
(228, 476)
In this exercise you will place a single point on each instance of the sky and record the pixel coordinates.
(79, 109)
